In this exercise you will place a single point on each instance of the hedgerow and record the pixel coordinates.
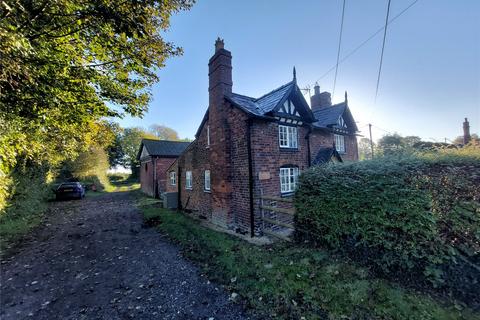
(415, 214)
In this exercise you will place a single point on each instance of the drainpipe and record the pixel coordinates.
(250, 177)
(309, 158)
(154, 162)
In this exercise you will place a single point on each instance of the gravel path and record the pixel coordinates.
(93, 260)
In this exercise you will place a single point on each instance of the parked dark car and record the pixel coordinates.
(69, 190)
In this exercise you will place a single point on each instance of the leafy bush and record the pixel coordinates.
(90, 167)
(418, 213)
(286, 281)
(25, 204)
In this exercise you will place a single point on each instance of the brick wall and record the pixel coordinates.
(162, 165)
(240, 198)
(195, 159)
(351, 148)
(146, 177)
(319, 139)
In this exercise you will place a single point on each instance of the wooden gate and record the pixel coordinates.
(277, 216)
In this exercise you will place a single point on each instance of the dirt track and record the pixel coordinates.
(93, 260)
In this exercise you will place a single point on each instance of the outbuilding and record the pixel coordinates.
(155, 157)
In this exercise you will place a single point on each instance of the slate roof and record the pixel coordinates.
(163, 147)
(265, 103)
(329, 116)
(324, 155)
(325, 118)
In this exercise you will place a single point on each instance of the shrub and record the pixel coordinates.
(417, 213)
(26, 202)
(90, 167)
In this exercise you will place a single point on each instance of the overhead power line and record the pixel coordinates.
(383, 49)
(366, 41)
(339, 47)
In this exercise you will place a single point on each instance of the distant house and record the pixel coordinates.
(247, 147)
(155, 157)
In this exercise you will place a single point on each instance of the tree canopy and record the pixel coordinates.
(67, 64)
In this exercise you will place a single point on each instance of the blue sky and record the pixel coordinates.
(431, 70)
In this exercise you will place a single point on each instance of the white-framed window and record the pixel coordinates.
(287, 136)
(173, 178)
(288, 179)
(188, 180)
(207, 180)
(340, 143)
(208, 136)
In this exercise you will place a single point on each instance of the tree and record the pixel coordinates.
(395, 143)
(62, 61)
(130, 143)
(115, 151)
(389, 144)
(163, 132)
(459, 139)
(410, 141)
(364, 149)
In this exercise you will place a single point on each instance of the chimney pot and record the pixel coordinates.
(466, 132)
(320, 100)
(219, 44)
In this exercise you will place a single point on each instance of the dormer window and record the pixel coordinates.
(288, 137)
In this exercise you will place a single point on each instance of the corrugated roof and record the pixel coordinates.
(164, 147)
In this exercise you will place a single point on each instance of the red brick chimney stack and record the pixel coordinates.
(320, 100)
(466, 131)
(220, 85)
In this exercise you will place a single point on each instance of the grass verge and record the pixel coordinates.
(285, 281)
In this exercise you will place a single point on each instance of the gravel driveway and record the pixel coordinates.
(93, 260)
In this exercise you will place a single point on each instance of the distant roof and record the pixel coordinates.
(163, 147)
(324, 155)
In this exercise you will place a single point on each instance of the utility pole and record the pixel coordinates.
(371, 141)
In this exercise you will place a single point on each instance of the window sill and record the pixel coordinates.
(288, 149)
(207, 191)
(287, 194)
(189, 189)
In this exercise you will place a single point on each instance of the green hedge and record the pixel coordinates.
(417, 213)
(26, 203)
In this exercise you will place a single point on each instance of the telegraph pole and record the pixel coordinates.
(371, 141)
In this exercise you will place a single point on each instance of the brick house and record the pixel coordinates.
(155, 157)
(246, 147)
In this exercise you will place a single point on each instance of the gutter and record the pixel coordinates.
(154, 162)
(307, 137)
(250, 177)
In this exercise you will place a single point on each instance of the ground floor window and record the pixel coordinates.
(173, 178)
(188, 180)
(340, 143)
(288, 179)
(207, 180)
